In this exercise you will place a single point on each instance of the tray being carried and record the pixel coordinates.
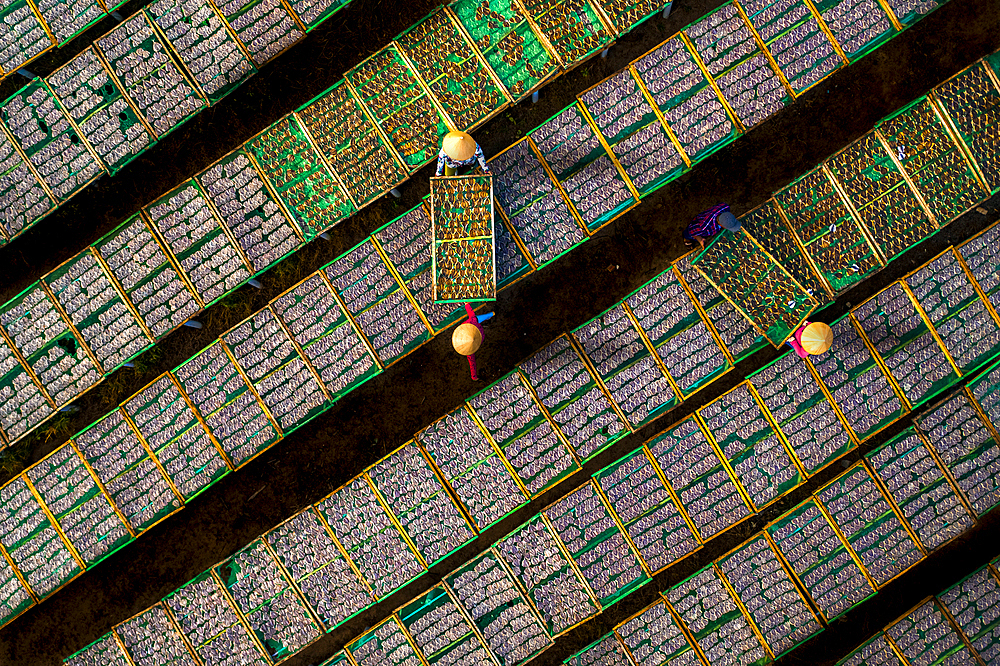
(463, 243)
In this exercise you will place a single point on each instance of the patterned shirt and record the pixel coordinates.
(706, 223)
(443, 159)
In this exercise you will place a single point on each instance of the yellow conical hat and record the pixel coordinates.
(459, 146)
(466, 339)
(816, 338)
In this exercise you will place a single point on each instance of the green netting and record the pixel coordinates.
(513, 418)
(273, 610)
(449, 66)
(889, 209)
(654, 638)
(552, 584)
(751, 446)
(573, 399)
(766, 225)
(919, 488)
(513, 633)
(737, 334)
(627, 14)
(97, 105)
(966, 446)
(682, 92)
(463, 260)
(210, 624)
(94, 306)
(172, 431)
(571, 27)
(506, 40)
(24, 404)
(159, 89)
(54, 353)
(857, 382)
(512, 261)
(909, 12)
(932, 160)
(31, 541)
(819, 558)
(859, 26)
(150, 639)
(795, 40)
(769, 595)
(328, 340)
(607, 650)
(616, 351)
(82, 511)
(195, 236)
(314, 12)
(279, 375)
(714, 620)
(803, 414)
(307, 188)
(973, 604)
(954, 308)
(375, 300)
(758, 286)
(68, 18)
(471, 466)
(707, 492)
(105, 650)
(866, 520)
(147, 277)
(385, 645)
(599, 548)
(647, 511)
(980, 255)
(892, 324)
(233, 415)
(24, 38)
(317, 567)
(14, 596)
(341, 130)
(825, 227)
(420, 503)
(198, 35)
(875, 651)
(265, 27)
(379, 550)
(391, 92)
(925, 636)
(591, 180)
(406, 241)
(339, 659)
(986, 391)
(254, 217)
(42, 129)
(129, 476)
(743, 74)
(970, 100)
(440, 630)
(682, 340)
(630, 126)
(23, 197)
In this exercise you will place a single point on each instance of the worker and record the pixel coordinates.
(458, 150)
(468, 337)
(811, 339)
(710, 222)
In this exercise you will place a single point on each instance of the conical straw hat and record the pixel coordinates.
(466, 339)
(459, 146)
(816, 339)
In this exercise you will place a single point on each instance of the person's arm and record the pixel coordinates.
(481, 158)
(797, 347)
(440, 167)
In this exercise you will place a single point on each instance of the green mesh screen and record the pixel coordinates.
(463, 239)
(970, 101)
(440, 630)
(925, 636)
(859, 26)
(24, 197)
(572, 28)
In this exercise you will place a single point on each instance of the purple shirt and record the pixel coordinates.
(706, 223)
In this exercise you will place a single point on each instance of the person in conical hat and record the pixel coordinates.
(811, 339)
(468, 337)
(459, 150)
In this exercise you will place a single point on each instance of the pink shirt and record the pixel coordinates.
(796, 340)
(474, 320)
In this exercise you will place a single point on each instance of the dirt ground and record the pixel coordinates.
(386, 411)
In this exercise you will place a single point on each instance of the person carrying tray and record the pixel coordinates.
(459, 150)
(710, 222)
(468, 337)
